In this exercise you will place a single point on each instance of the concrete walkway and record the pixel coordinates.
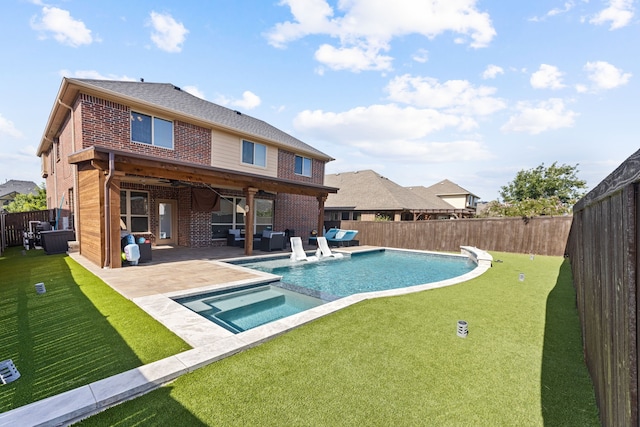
(151, 288)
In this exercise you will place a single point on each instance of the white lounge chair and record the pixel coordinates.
(297, 251)
(325, 251)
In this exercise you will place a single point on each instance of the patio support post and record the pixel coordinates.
(250, 192)
(321, 199)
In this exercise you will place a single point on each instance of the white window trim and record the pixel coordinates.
(266, 153)
(128, 214)
(303, 161)
(153, 136)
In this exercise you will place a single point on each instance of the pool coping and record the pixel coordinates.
(212, 343)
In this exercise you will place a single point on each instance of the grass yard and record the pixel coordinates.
(398, 361)
(78, 332)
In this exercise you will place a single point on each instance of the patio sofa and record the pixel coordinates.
(337, 237)
(272, 241)
(236, 238)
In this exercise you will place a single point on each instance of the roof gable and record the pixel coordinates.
(448, 188)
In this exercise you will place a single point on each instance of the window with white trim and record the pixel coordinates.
(254, 153)
(151, 130)
(303, 166)
(134, 211)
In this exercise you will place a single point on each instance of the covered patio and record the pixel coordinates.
(102, 173)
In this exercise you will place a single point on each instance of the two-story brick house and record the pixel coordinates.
(155, 161)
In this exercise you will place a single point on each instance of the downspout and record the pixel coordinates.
(107, 209)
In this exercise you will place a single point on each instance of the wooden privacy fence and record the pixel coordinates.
(538, 235)
(603, 247)
(15, 224)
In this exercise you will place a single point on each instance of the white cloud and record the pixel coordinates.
(421, 56)
(7, 127)
(193, 90)
(366, 27)
(547, 77)
(555, 11)
(452, 96)
(541, 117)
(606, 76)
(379, 122)
(248, 101)
(354, 59)
(619, 14)
(167, 34)
(492, 71)
(391, 133)
(65, 29)
(558, 11)
(93, 74)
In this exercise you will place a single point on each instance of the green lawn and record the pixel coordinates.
(78, 332)
(398, 361)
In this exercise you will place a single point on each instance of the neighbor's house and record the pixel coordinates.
(10, 189)
(462, 200)
(157, 162)
(368, 196)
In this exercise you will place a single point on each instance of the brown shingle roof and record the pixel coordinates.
(447, 188)
(368, 190)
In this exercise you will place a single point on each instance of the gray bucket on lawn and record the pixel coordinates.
(462, 329)
(8, 372)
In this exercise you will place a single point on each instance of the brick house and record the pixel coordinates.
(160, 163)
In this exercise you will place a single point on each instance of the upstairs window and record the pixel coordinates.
(303, 166)
(254, 153)
(151, 130)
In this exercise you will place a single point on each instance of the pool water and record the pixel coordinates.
(240, 310)
(332, 278)
(305, 285)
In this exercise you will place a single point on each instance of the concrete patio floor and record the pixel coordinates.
(176, 272)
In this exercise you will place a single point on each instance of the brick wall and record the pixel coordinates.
(286, 168)
(106, 124)
(60, 180)
(296, 212)
(292, 211)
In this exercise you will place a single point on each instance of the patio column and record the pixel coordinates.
(250, 192)
(321, 199)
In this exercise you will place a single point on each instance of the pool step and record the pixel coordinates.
(240, 299)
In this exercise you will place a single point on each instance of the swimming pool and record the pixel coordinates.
(305, 285)
(383, 269)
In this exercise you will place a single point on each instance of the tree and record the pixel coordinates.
(543, 183)
(551, 206)
(539, 191)
(29, 202)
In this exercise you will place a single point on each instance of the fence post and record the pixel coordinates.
(3, 238)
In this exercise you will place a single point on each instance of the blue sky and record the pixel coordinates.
(417, 90)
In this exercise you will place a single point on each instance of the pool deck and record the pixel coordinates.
(179, 272)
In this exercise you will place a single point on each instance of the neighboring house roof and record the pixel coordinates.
(426, 194)
(172, 99)
(447, 188)
(14, 186)
(368, 190)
